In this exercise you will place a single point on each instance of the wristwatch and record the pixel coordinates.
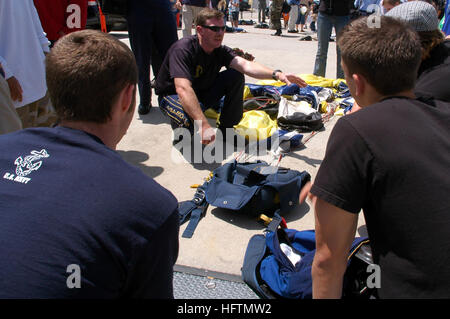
(274, 74)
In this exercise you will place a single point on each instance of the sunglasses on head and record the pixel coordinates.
(214, 28)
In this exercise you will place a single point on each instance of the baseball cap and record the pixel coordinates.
(420, 15)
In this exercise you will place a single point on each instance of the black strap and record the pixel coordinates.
(197, 209)
(196, 215)
(276, 220)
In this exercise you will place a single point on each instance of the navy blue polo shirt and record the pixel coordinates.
(77, 221)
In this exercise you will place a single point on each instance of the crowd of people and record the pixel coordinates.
(77, 221)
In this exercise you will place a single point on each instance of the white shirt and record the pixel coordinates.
(22, 46)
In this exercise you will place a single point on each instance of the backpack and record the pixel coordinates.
(277, 265)
(255, 188)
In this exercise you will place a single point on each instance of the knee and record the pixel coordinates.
(237, 76)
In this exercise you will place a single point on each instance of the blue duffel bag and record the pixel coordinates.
(277, 265)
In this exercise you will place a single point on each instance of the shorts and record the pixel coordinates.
(234, 15)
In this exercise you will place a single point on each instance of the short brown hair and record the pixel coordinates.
(207, 14)
(387, 55)
(86, 70)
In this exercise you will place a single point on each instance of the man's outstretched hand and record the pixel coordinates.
(291, 78)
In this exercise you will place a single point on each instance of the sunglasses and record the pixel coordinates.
(214, 28)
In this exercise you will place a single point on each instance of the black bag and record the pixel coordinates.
(296, 117)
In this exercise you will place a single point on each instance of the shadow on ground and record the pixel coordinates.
(253, 222)
(136, 158)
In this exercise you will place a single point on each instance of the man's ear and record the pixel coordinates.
(360, 84)
(126, 97)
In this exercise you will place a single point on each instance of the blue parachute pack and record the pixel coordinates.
(246, 188)
(272, 272)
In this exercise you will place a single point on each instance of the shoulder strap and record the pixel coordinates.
(197, 211)
(276, 221)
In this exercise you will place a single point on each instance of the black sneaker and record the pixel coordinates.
(144, 109)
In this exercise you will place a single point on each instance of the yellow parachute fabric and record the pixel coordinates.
(256, 125)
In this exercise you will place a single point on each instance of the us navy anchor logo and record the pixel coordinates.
(24, 166)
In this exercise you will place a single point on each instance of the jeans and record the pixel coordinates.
(325, 24)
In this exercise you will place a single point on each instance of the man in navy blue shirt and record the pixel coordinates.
(76, 220)
(190, 79)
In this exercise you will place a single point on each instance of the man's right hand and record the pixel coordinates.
(15, 89)
(207, 134)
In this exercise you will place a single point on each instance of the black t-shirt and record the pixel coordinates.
(392, 159)
(186, 59)
(434, 74)
(68, 201)
(335, 7)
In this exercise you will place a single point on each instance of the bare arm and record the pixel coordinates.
(15, 88)
(335, 231)
(259, 71)
(191, 105)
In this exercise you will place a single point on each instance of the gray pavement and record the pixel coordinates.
(221, 238)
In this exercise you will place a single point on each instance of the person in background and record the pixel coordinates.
(233, 8)
(9, 119)
(152, 30)
(275, 16)
(262, 5)
(60, 17)
(293, 15)
(190, 10)
(331, 14)
(23, 50)
(434, 70)
(367, 7)
(389, 4)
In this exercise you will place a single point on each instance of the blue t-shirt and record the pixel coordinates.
(77, 221)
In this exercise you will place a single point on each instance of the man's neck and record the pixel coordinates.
(408, 93)
(100, 130)
(206, 49)
(375, 97)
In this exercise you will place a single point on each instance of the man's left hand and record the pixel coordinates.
(291, 78)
